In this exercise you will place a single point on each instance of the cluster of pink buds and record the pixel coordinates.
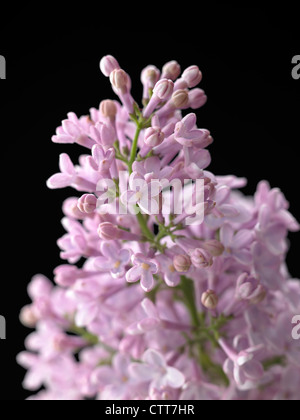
(184, 292)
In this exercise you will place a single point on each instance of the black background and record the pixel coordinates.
(245, 55)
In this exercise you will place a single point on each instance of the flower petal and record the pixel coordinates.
(109, 250)
(226, 234)
(124, 256)
(150, 308)
(98, 153)
(70, 128)
(222, 194)
(152, 165)
(172, 279)
(65, 164)
(253, 370)
(86, 314)
(243, 256)
(228, 210)
(243, 239)
(154, 359)
(134, 274)
(148, 324)
(103, 264)
(34, 379)
(141, 372)
(59, 181)
(121, 363)
(239, 375)
(147, 281)
(174, 378)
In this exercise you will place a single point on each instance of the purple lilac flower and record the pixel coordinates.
(143, 270)
(145, 306)
(113, 260)
(155, 370)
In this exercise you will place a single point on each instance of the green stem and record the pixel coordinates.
(214, 370)
(167, 231)
(274, 361)
(148, 234)
(82, 332)
(134, 147)
(162, 234)
(145, 230)
(122, 158)
(90, 338)
(187, 288)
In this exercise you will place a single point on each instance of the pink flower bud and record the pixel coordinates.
(180, 99)
(180, 84)
(163, 89)
(108, 64)
(201, 258)
(87, 203)
(150, 76)
(249, 288)
(154, 136)
(209, 299)
(108, 231)
(197, 98)
(182, 263)
(119, 80)
(214, 247)
(70, 209)
(162, 92)
(108, 135)
(192, 75)
(66, 275)
(108, 109)
(171, 70)
(28, 317)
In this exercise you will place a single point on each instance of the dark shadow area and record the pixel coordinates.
(252, 112)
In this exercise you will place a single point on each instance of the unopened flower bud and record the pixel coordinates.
(108, 64)
(108, 109)
(182, 263)
(27, 316)
(66, 275)
(171, 70)
(70, 209)
(210, 299)
(108, 231)
(87, 203)
(180, 84)
(163, 89)
(180, 99)
(214, 247)
(249, 288)
(192, 75)
(150, 76)
(197, 98)
(119, 80)
(201, 258)
(154, 136)
(108, 135)
(162, 92)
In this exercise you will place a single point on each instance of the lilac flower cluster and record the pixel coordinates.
(160, 309)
